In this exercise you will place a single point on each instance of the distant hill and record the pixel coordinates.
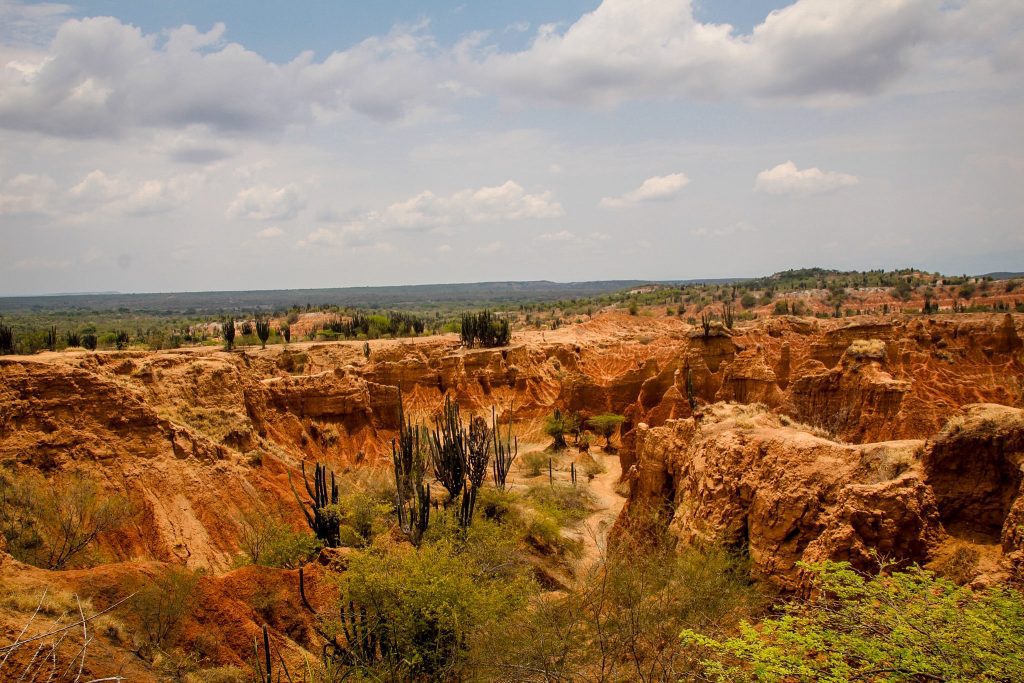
(401, 296)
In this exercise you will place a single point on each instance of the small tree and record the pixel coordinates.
(160, 604)
(605, 425)
(556, 427)
(286, 332)
(73, 339)
(121, 339)
(229, 333)
(89, 341)
(49, 523)
(263, 331)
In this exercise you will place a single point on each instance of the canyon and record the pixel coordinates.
(873, 439)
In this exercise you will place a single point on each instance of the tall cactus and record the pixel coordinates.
(6, 338)
(323, 521)
(448, 443)
(412, 495)
(478, 456)
(505, 450)
(691, 397)
(263, 331)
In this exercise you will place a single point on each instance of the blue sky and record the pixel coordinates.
(237, 145)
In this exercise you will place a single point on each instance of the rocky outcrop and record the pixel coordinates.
(976, 468)
(857, 401)
(742, 477)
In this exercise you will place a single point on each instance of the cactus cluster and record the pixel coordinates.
(477, 458)
(412, 494)
(6, 339)
(320, 511)
(691, 396)
(484, 329)
(228, 332)
(263, 331)
(448, 449)
(506, 448)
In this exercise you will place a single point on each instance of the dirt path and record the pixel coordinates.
(594, 529)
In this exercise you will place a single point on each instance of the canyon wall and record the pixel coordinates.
(195, 437)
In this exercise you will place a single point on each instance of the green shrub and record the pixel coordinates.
(536, 462)
(49, 523)
(434, 601)
(267, 541)
(905, 626)
(160, 604)
(567, 504)
(498, 506)
(621, 622)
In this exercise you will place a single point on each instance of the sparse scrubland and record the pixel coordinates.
(812, 476)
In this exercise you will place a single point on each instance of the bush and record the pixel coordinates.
(159, 605)
(906, 626)
(567, 504)
(50, 523)
(432, 603)
(535, 462)
(266, 541)
(622, 621)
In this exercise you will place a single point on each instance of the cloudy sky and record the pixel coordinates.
(238, 145)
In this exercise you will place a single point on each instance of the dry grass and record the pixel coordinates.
(867, 349)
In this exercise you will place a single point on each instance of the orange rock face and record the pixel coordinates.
(194, 437)
(745, 478)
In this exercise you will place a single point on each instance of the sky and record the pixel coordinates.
(247, 144)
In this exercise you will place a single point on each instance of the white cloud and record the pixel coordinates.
(321, 237)
(560, 236)
(98, 191)
(788, 179)
(491, 247)
(658, 188)
(427, 211)
(816, 51)
(738, 227)
(443, 248)
(506, 202)
(266, 203)
(270, 233)
(26, 193)
(101, 77)
(41, 263)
